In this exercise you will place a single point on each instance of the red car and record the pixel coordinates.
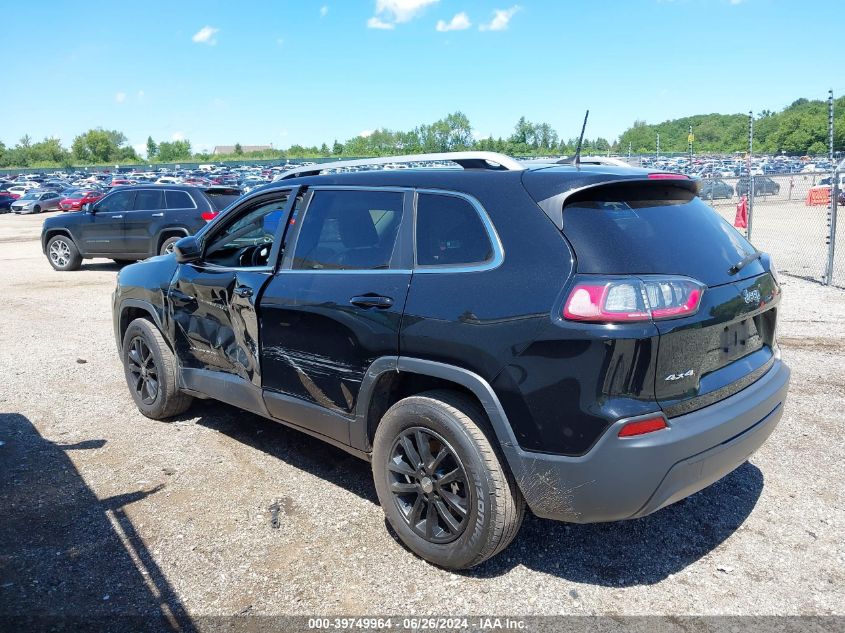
(75, 201)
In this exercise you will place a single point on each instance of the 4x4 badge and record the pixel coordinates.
(686, 374)
(751, 296)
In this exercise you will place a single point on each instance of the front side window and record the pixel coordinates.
(248, 238)
(349, 230)
(116, 202)
(149, 200)
(450, 232)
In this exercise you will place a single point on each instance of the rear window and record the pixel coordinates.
(648, 236)
(222, 197)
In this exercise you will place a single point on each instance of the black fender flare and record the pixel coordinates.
(464, 377)
(146, 306)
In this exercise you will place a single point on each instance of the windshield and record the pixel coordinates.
(30, 196)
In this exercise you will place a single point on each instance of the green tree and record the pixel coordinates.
(152, 148)
(238, 149)
(169, 152)
(102, 146)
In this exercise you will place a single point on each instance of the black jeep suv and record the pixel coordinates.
(594, 342)
(132, 223)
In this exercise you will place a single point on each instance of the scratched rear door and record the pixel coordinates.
(335, 306)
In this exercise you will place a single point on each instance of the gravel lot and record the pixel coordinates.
(224, 513)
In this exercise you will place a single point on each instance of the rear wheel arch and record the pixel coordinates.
(166, 234)
(390, 379)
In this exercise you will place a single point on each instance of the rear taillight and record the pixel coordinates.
(667, 176)
(641, 427)
(208, 216)
(624, 299)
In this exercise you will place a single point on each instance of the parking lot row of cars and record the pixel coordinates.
(70, 191)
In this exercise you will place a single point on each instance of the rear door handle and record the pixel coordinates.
(243, 291)
(372, 301)
(158, 215)
(117, 217)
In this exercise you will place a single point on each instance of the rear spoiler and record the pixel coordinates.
(553, 207)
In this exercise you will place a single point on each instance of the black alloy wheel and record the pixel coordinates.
(428, 483)
(143, 370)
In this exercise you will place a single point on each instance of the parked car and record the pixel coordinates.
(20, 190)
(76, 200)
(6, 200)
(565, 362)
(711, 189)
(36, 202)
(763, 185)
(129, 223)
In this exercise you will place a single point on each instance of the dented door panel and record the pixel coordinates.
(214, 326)
(316, 345)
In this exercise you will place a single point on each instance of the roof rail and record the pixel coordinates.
(467, 160)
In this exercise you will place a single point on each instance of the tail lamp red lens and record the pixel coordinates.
(208, 216)
(625, 299)
(641, 427)
(661, 176)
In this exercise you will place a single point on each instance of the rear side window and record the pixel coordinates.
(450, 232)
(349, 230)
(179, 200)
(149, 199)
(655, 236)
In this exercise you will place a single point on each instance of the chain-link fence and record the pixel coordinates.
(790, 216)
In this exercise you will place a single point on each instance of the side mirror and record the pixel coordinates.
(187, 250)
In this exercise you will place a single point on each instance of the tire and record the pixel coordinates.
(151, 372)
(36, 209)
(63, 254)
(167, 245)
(483, 487)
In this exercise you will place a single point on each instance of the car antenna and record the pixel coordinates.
(577, 160)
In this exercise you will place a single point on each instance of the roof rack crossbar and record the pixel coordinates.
(467, 160)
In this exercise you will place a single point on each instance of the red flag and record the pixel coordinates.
(741, 221)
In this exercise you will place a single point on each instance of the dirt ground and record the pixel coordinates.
(106, 512)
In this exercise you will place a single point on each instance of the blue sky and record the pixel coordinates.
(303, 71)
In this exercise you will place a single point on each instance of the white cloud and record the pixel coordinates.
(324, 10)
(375, 23)
(120, 97)
(177, 136)
(140, 149)
(140, 94)
(366, 133)
(457, 23)
(392, 12)
(206, 35)
(501, 19)
(480, 136)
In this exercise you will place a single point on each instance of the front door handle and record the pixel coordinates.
(116, 217)
(158, 215)
(372, 301)
(243, 291)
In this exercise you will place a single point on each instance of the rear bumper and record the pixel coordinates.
(629, 478)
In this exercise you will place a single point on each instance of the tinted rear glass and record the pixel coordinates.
(179, 200)
(682, 237)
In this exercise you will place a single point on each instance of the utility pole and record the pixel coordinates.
(658, 145)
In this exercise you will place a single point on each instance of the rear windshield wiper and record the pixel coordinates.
(744, 262)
